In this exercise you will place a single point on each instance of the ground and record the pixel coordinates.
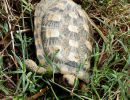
(110, 60)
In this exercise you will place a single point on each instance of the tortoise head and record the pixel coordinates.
(69, 79)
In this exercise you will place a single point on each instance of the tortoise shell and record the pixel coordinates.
(62, 33)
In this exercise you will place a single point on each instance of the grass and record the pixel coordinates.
(110, 58)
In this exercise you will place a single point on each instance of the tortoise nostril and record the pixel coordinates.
(66, 81)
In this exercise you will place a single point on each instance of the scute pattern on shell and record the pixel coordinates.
(62, 33)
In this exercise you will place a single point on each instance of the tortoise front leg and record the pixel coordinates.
(40, 70)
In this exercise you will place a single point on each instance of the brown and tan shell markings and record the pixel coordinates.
(62, 29)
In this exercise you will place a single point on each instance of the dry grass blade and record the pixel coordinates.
(37, 95)
(97, 29)
(10, 17)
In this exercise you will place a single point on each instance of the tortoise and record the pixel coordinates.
(62, 34)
